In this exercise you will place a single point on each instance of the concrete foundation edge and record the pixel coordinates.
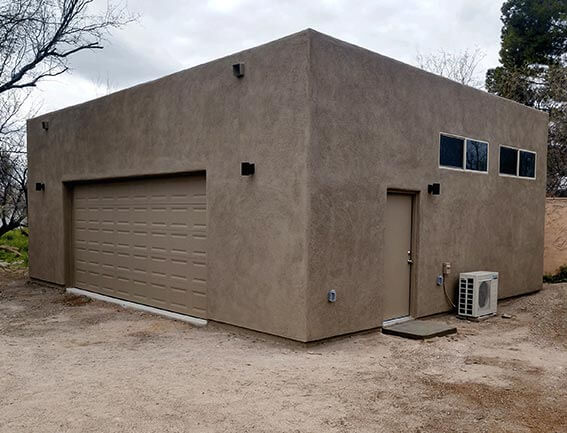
(127, 304)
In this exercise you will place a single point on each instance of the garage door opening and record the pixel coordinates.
(144, 241)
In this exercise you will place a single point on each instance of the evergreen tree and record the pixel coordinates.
(533, 71)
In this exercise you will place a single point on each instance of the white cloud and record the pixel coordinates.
(224, 6)
(175, 34)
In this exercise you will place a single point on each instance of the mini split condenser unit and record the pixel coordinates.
(478, 294)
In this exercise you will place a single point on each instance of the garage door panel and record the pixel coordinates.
(199, 245)
(198, 270)
(180, 296)
(109, 283)
(140, 290)
(81, 253)
(144, 241)
(169, 245)
(90, 258)
(122, 261)
(87, 235)
(200, 300)
(108, 253)
(199, 215)
(163, 265)
(108, 270)
(80, 276)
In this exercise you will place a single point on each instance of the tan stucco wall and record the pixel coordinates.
(331, 127)
(200, 119)
(555, 252)
(375, 126)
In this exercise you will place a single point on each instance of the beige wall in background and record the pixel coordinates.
(555, 251)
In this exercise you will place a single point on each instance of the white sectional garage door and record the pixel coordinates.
(144, 241)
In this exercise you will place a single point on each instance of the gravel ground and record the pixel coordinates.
(68, 364)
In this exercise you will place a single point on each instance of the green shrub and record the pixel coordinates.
(559, 277)
(15, 245)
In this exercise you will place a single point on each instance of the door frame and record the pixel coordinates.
(415, 230)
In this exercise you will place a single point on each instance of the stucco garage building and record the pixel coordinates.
(141, 196)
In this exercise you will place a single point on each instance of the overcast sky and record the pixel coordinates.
(172, 35)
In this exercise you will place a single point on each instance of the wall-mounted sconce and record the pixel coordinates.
(45, 125)
(238, 70)
(247, 168)
(434, 188)
(40, 186)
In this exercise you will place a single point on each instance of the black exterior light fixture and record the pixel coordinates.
(434, 188)
(45, 125)
(247, 168)
(238, 70)
(39, 186)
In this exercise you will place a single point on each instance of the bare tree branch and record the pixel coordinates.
(461, 67)
(37, 37)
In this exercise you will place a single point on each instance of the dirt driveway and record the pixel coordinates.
(72, 365)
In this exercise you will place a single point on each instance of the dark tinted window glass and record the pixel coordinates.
(477, 155)
(508, 161)
(451, 151)
(527, 164)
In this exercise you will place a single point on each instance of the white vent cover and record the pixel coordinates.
(478, 294)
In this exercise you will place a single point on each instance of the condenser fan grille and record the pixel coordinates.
(483, 294)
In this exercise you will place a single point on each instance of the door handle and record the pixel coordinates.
(410, 262)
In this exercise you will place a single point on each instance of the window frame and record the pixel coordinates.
(517, 175)
(464, 166)
(535, 163)
(517, 160)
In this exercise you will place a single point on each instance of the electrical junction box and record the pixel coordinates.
(332, 296)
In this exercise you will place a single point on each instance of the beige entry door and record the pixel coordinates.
(398, 255)
(143, 240)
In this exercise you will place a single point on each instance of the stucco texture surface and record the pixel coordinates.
(375, 127)
(555, 253)
(332, 128)
(202, 119)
